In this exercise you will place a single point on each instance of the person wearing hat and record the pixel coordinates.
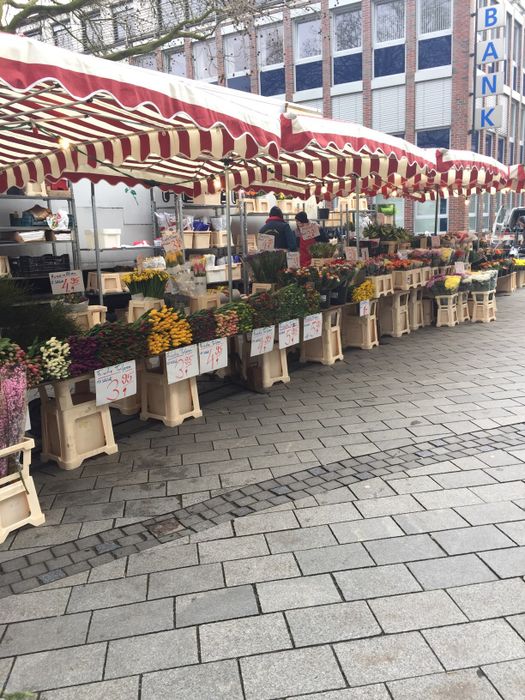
(276, 225)
(308, 233)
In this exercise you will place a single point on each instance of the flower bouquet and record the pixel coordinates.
(244, 314)
(167, 329)
(443, 285)
(227, 322)
(363, 292)
(84, 354)
(119, 342)
(146, 283)
(13, 407)
(266, 266)
(203, 325)
(290, 303)
(264, 309)
(55, 358)
(483, 280)
(12, 355)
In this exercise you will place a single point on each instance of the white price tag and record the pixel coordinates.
(351, 254)
(213, 355)
(364, 254)
(402, 254)
(435, 241)
(309, 231)
(115, 382)
(265, 241)
(459, 268)
(292, 261)
(66, 282)
(364, 308)
(289, 333)
(182, 363)
(262, 340)
(313, 326)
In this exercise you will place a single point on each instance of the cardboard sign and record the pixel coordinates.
(262, 340)
(309, 231)
(293, 261)
(213, 355)
(265, 241)
(435, 241)
(351, 254)
(66, 282)
(289, 333)
(182, 363)
(313, 326)
(459, 268)
(364, 308)
(171, 240)
(115, 382)
(364, 254)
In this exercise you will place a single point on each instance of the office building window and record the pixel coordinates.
(425, 216)
(389, 21)
(176, 63)
(147, 60)
(489, 145)
(347, 31)
(204, 60)
(270, 45)
(62, 35)
(121, 15)
(434, 138)
(236, 54)
(434, 16)
(308, 40)
(501, 150)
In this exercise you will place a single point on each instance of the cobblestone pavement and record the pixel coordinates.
(357, 534)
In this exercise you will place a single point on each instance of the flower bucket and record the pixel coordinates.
(339, 296)
(137, 297)
(325, 299)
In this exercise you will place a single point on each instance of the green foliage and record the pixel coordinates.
(291, 303)
(267, 265)
(386, 232)
(322, 250)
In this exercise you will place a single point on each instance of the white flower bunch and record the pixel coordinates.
(55, 359)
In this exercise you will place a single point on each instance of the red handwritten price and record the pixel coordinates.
(66, 282)
(213, 355)
(288, 333)
(262, 340)
(182, 363)
(115, 382)
(313, 326)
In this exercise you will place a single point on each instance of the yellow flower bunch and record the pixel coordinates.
(519, 262)
(452, 282)
(144, 276)
(167, 330)
(174, 258)
(364, 292)
(446, 254)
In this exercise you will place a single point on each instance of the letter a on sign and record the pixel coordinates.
(490, 51)
(490, 17)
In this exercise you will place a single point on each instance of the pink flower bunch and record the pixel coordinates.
(13, 387)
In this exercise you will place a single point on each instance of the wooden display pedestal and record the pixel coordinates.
(404, 280)
(482, 306)
(393, 315)
(416, 317)
(463, 307)
(507, 284)
(137, 307)
(170, 403)
(326, 349)
(520, 277)
(111, 282)
(359, 331)
(382, 285)
(447, 310)
(92, 316)
(73, 426)
(18, 506)
(262, 371)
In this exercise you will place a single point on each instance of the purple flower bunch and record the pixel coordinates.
(13, 387)
(84, 353)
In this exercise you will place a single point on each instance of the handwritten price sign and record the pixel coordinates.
(262, 340)
(115, 382)
(213, 355)
(182, 363)
(292, 261)
(265, 241)
(66, 282)
(288, 333)
(351, 254)
(364, 308)
(313, 326)
(459, 268)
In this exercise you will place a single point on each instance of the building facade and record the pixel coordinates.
(405, 67)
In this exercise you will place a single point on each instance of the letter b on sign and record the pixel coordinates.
(491, 17)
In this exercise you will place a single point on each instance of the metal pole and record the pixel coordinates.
(228, 234)
(97, 247)
(244, 244)
(436, 215)
(77, 265)
(475, 69)
(347, 221)
(357, 217)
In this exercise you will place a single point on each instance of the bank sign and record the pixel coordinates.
(490, 51)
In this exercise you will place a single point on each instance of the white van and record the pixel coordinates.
(505, 225)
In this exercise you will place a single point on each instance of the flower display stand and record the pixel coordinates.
(447, 310)
(404, 280)
(507, 284)
(326, 349)
(262, 371)
(137, 307)
(482, 306)
(417, 277)
(383, 285)
(416, 316)
(19, 503)
(520, 277)
(463, 307)
(111, 282)
(170, 403)
(426, 274)
(359, 331)
(428, 312)
(73, 426)
(89, 317)
(274, 367)
(393, 315)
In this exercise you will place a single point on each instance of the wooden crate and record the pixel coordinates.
(383, 285)
(507, 284)
(90, 316)
(447, 310)
(219, 239)
(137, 307)
(404, 280)
(19, 503)
(201, 240)
(111, 282)
(211, 300)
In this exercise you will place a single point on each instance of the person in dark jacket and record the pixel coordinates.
(285, 238)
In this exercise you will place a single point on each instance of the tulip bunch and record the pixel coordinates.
(119, 342)
(264, 309)
(244, 314)
(167, 329)
(203, 326)
(150, 283)
(84, 351)
(227, 322)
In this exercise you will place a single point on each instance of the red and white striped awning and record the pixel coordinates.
(60, 110)
(516, 180)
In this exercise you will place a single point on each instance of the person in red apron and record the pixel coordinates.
(308, 233)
